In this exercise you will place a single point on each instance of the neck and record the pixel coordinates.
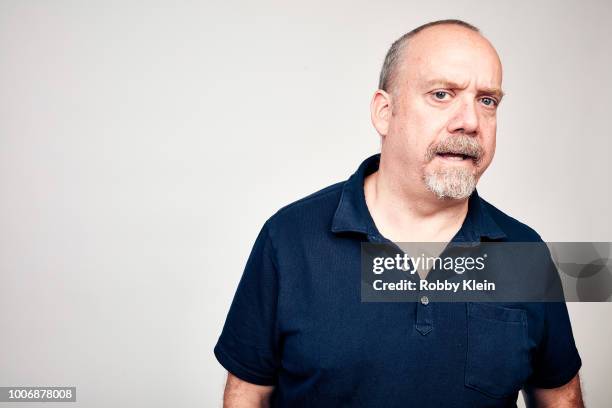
(405, 211)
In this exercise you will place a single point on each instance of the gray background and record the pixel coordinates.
(143, 145)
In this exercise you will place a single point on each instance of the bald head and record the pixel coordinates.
(437, 36)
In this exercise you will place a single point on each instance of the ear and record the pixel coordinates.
(380, 111)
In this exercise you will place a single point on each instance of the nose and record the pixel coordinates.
(465, 119)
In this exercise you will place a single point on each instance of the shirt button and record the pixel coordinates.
(424, 300)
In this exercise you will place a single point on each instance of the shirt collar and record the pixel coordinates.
(352, 214)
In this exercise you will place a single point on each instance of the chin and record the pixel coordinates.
(456, 183)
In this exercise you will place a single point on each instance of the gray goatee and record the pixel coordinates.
(453, 182)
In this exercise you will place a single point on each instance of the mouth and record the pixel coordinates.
(458, 157)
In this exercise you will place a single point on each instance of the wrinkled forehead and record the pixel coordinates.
(452, 53)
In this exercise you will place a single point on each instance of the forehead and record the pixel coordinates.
(451, 53)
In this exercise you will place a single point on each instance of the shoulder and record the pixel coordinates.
(324, 197)
(307, 214)
(515, 230)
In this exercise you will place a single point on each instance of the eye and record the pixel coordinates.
(440, 95)
(489, 101)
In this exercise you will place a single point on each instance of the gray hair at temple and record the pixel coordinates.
(389, 68)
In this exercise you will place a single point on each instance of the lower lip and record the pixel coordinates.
(455, 159)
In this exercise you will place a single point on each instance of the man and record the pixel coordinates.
(297, 333)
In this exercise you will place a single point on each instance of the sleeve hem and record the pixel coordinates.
(237, 369)
(562, 378)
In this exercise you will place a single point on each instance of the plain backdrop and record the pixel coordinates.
(144, 143)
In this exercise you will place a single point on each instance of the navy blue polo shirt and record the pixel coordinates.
(297, 320)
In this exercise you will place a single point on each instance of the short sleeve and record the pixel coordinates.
(557, 360)
(247, 346)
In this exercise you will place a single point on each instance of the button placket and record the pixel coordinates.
(424, 315)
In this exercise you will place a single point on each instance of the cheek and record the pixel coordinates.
(422, 127)
(415, 127)
(489, 141)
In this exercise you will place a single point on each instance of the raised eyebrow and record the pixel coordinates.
(496, 92)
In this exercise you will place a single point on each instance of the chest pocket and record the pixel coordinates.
(497, 349)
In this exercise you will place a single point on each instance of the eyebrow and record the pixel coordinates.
(444, 83)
